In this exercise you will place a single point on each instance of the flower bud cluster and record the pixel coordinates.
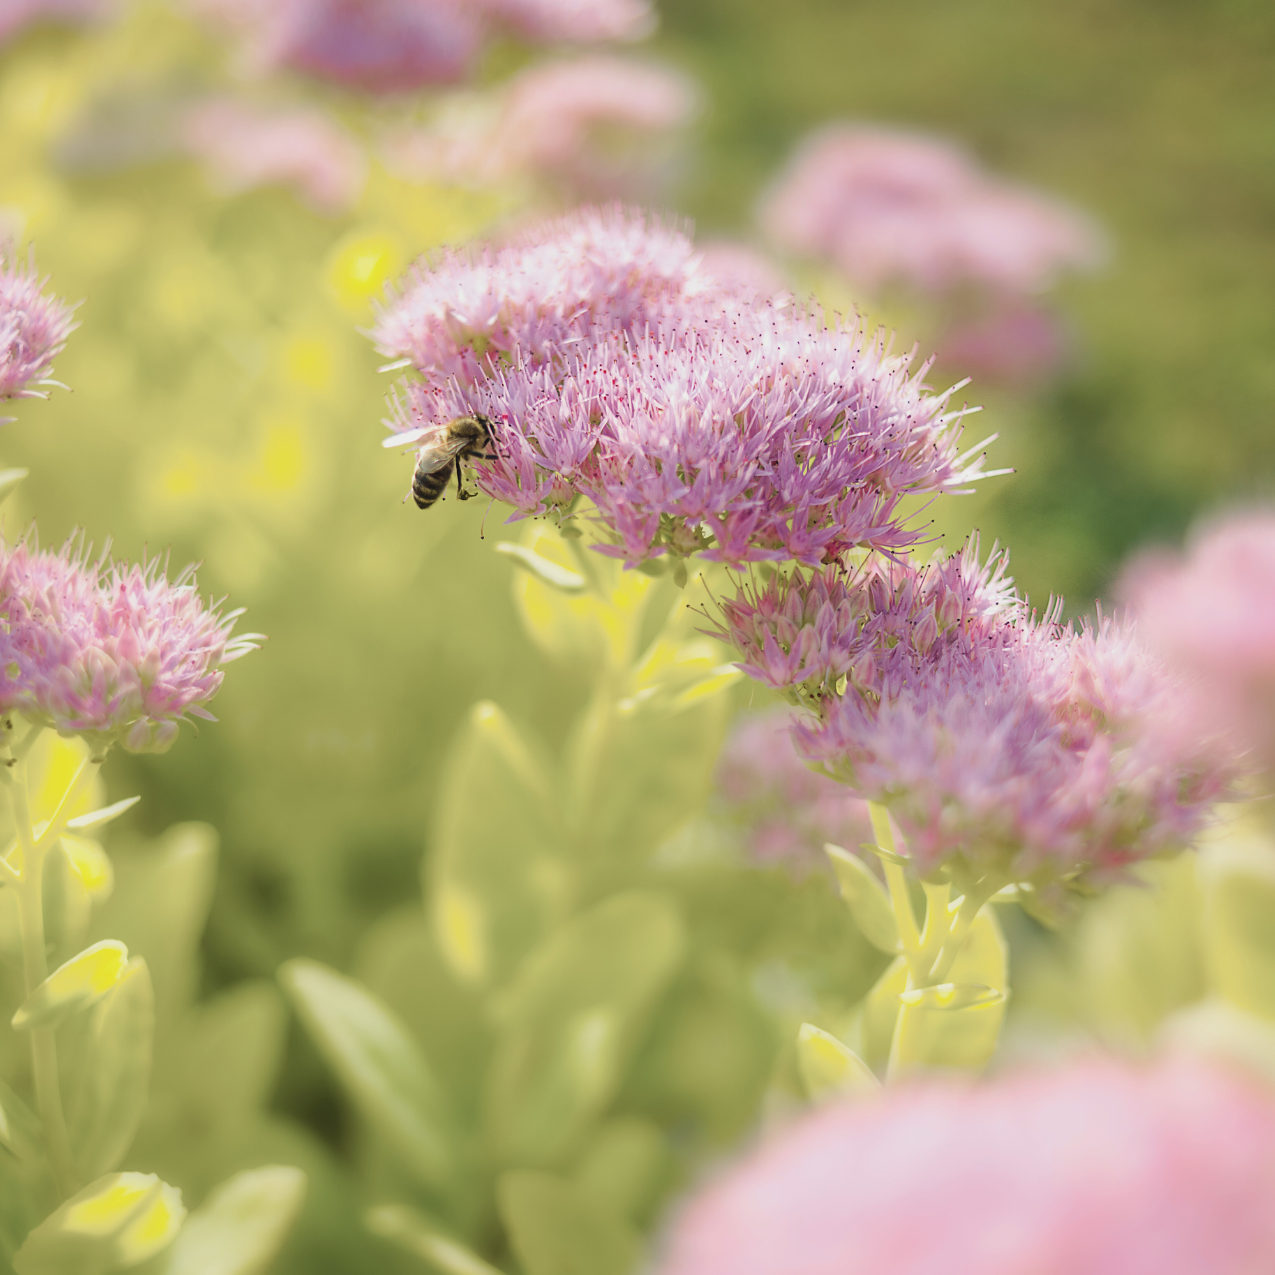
(33, 328)
(113, 652)
(617, 368)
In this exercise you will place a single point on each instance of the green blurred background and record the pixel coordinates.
(225, 409)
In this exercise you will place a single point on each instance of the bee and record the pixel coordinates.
(465, 438)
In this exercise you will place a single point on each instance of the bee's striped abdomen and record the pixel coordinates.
(428, 485)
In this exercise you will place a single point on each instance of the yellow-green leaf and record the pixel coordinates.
(116, 1222)
(951, 996)
(240, 1227)
(82, 980)
(410, 1231)
(114, 1077)
(377, 1061)
(557, 1229)
(866, 898)
(550, 573)
(92, 863)
(828, 1067)
(96, 818)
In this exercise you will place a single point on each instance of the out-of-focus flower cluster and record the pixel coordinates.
(893, 207)
(243, 146)
(396, 46)
(1211, 613)
(695, 419)
(596, 127)
(33, 328)
(106, 650)
(1007, 746)
(1099, 1167)
(785, 811)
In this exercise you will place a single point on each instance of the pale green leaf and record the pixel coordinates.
(557, 1229)
(417, 1235)
(232, 1049)
(92, 863)
(625, 1165)
(96, 818)
(9, 479)
(881, 1013)
(570, 1022)
(377, 1061)
(113, 1224)
(81, 981)
(829, 1067)
(951, 996)
(866, 898)
(240, 1227)
(497, 880)
(544, 570)
(114, 1077)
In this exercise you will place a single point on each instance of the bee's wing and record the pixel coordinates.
(406, 437)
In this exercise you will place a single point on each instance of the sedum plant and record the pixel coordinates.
(94, 655)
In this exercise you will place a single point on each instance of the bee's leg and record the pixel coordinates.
(461, 493)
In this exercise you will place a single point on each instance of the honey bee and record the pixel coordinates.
(446, 447)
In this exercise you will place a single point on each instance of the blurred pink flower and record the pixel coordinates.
(33, 328)
(1007, 747)
(593, 127)
(1211, 613)
(574, 21)
(16, 14)
(694, 420)
(593, 124)
(894, 207)
(397, 46)
(109, 651)
(245, 146)
(1015, 343)
(786, 810)
(1100, 1168)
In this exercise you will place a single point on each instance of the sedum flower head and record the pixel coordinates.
(616, 368)
(1098, 1167)
(1211, 613)
(1008, 748)
(888, 206)
(785, 810)
(106, 650)
(33, 328)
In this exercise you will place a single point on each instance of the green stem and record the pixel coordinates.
(900, 895)
(30, 896)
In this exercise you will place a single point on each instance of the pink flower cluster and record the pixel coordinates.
(396, 46)
(894, 207)
(1211, 613)
(694, 419)
(33, 328)
(109, 651)
(1100, 1167)
(1007, 747)
(593, 127)
(244, 146)
(785, 810)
